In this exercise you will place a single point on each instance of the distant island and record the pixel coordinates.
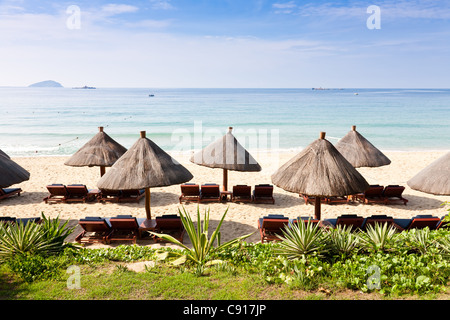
(47, 84)
(85, 87)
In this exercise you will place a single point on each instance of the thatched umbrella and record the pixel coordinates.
(2, 153)
(359, 151)
(101, 150)
(226, 153)
(319, 170)
(435, 178)
(11, 172)
(144, 165)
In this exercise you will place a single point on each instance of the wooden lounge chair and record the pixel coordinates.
(242, 193)
(325, 200)
(271, 226)
(190, 192)
(24, 221)
(263, 193)
(131, 195)
(380, 219)
(109, 195)
(9, 192)
(393, 194)
(170, 224)
(124, 228)
(418, 222)
(7, 220)
(95, 230)
(58, 193)
(77, 193)
(372, 195)
(210, 192)
(353, 220)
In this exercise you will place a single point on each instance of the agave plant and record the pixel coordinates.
(343, 241)
(378, 237)
(20, 238)
(202, 247)
(302, 239)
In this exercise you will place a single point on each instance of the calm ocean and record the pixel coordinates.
(58, 121)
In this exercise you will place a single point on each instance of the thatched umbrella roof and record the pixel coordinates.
(2, 153)
(101, 150)
(11, 172)
(359, 151)
(144, 165)
(226, 153)
(319, 170)
(435, 178)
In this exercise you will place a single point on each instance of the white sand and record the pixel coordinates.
(242, 217)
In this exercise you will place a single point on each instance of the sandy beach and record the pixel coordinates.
(241, 217)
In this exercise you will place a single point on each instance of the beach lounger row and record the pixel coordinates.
(13, 220)
(127, 228)
(262, 193)
(60, 193)
(9, 192)
(391, 194)
(271, 226)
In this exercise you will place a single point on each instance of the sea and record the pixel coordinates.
(59, 121)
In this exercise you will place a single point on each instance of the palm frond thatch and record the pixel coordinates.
(435, 178)
(359, 151)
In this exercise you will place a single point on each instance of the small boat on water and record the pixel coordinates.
(85, 87)
(151, 95)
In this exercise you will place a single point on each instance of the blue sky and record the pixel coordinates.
(225, 43)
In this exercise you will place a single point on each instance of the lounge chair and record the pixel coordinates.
(242, 193)
(95, 230)
(77, 193)
(109, 195)
(124, 228)
(325, 200)
(271, 226)
(263, 193)
(190, 192)
(24, 221)
(418, 222)
(372, 195)
(393, 194)
(170, 224)
(58, 193)
(9, 192)
(131, 195)
(210, 192)
(378, 219)
(347, 220)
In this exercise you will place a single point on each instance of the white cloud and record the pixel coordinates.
(114, 9)
(161, 5)
(286, 8)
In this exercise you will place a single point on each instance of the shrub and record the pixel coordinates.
(302, 239)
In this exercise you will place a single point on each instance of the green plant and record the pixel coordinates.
(202, 247)
(34, 238)
(343, 241)
(379, 237)
(302, 239)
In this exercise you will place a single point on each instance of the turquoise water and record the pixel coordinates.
(58, 121)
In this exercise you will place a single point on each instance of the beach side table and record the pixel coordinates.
(146, 225)
(226, 195)
(93, 194)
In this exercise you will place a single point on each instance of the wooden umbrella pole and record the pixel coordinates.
(147, 203)
(225, 179)
(102, 171)
(317, 208)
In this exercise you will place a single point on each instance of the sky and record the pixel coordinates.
(226, 43)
